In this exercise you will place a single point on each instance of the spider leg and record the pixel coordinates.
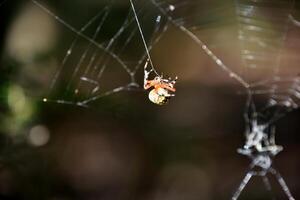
(168, 87)
(243, 184)
(146, 65)
(146, 75)
(148, 84)
(282, 183)
(247, 118)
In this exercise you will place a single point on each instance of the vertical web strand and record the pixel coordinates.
(142, 36)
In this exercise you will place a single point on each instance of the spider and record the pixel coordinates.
(163, 89)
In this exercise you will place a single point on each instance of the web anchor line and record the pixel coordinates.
(142, 36)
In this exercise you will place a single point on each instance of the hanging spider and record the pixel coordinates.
(163, 89)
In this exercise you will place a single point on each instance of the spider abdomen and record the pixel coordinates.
(159, 96)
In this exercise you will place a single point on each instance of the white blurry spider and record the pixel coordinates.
(163, 89)
(259, 141)
(261, 148)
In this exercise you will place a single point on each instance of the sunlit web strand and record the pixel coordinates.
(93, 68)
(264, 44)
(125, 24)
(250, 105)
(278, 115)
(294, 21)
(142, 36)
(218, 61)
(109, 47)
(83, 56)
(130, 85)
(154, 40)
(204, 47)
(152, 43)
(111, 42)
(265, 151)
(71, 28)
(70, 50)
(244, 13)
(86, 102)
(260, 37)
(250, 113)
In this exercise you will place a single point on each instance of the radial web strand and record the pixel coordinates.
(96, 50)
(262, 32)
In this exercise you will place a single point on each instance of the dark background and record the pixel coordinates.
(125, 147)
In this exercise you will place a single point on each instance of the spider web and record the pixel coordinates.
(263, 28)
(272, 91)
(101, 50)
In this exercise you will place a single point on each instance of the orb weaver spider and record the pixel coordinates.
(163, 89)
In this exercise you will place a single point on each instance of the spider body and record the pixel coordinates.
(163, 89)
